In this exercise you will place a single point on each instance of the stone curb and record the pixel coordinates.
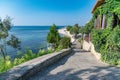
(27, 69)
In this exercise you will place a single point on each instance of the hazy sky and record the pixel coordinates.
(47, 12)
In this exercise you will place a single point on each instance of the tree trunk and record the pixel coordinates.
(3, 53)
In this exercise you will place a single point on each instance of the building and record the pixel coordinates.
(100, 21)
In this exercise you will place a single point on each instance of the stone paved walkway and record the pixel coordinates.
(79, 65)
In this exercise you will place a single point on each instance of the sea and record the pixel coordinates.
(31, 37)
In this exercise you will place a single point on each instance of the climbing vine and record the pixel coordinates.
(109, 7)
(107, 41)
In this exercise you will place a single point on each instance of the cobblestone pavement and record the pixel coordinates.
(79, 65)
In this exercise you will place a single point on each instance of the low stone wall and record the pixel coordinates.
(27, 69)
(90, 47)
(86, 46)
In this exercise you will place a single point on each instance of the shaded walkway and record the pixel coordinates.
(79, 65)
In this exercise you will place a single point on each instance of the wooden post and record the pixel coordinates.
(98, 22)
(103, 22)
(89, 37)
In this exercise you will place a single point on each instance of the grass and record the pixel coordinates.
(7, 64)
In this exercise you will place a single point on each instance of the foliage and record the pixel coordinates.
(81, 30)
(64, 43)
(53, 36)
(111, 51)
(111, 57)
(5, 26)
(89, 26)
(14, 42)
(96, 39)
(5, 65)
(80, 40)
(75, 30)
(99, 38)
(28, 55)
(113, 40)
(72, 31)
(110, 6)
(111, 9)
(68, 28)
(107, 42)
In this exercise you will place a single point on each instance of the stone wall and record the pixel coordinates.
(27, 69)
(86, 45)
(90, 47)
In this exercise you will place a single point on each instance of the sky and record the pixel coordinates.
(47, 12)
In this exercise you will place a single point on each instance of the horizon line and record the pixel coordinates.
(38, 25)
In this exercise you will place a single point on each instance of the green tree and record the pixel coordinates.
(67, 42)
(53, 36)
(5, 26)
(69, 28)
(89, 26)
(14, 42)
(74, 30)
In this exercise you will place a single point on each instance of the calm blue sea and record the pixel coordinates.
(31, 37)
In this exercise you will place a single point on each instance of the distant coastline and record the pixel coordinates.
(66, 33)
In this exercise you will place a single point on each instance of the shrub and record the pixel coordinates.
(28, 55)
(111, 51)
(65, 42)
(80, 40)
(96, 39)
(71, 31)
(113, 40)
(107, 42)
(99, 38)
(53, 36)
(74, 30)
(5, 65)
(68, 28)
(88, 27)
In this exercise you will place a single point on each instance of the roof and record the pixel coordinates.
(98, 3)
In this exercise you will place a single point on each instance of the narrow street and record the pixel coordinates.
(79, 65)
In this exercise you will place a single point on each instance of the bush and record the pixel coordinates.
(107, 42)
(71, 31)
(99, 38)
(111, 51)
(5, 65)
(111, 57)
(96, 39)
(64, 43)
(80, 40)
(113, 40)
(28, 55)
(53, 36)
(68, 28)
(88, 27)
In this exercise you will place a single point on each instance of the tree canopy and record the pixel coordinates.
(53, 36)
